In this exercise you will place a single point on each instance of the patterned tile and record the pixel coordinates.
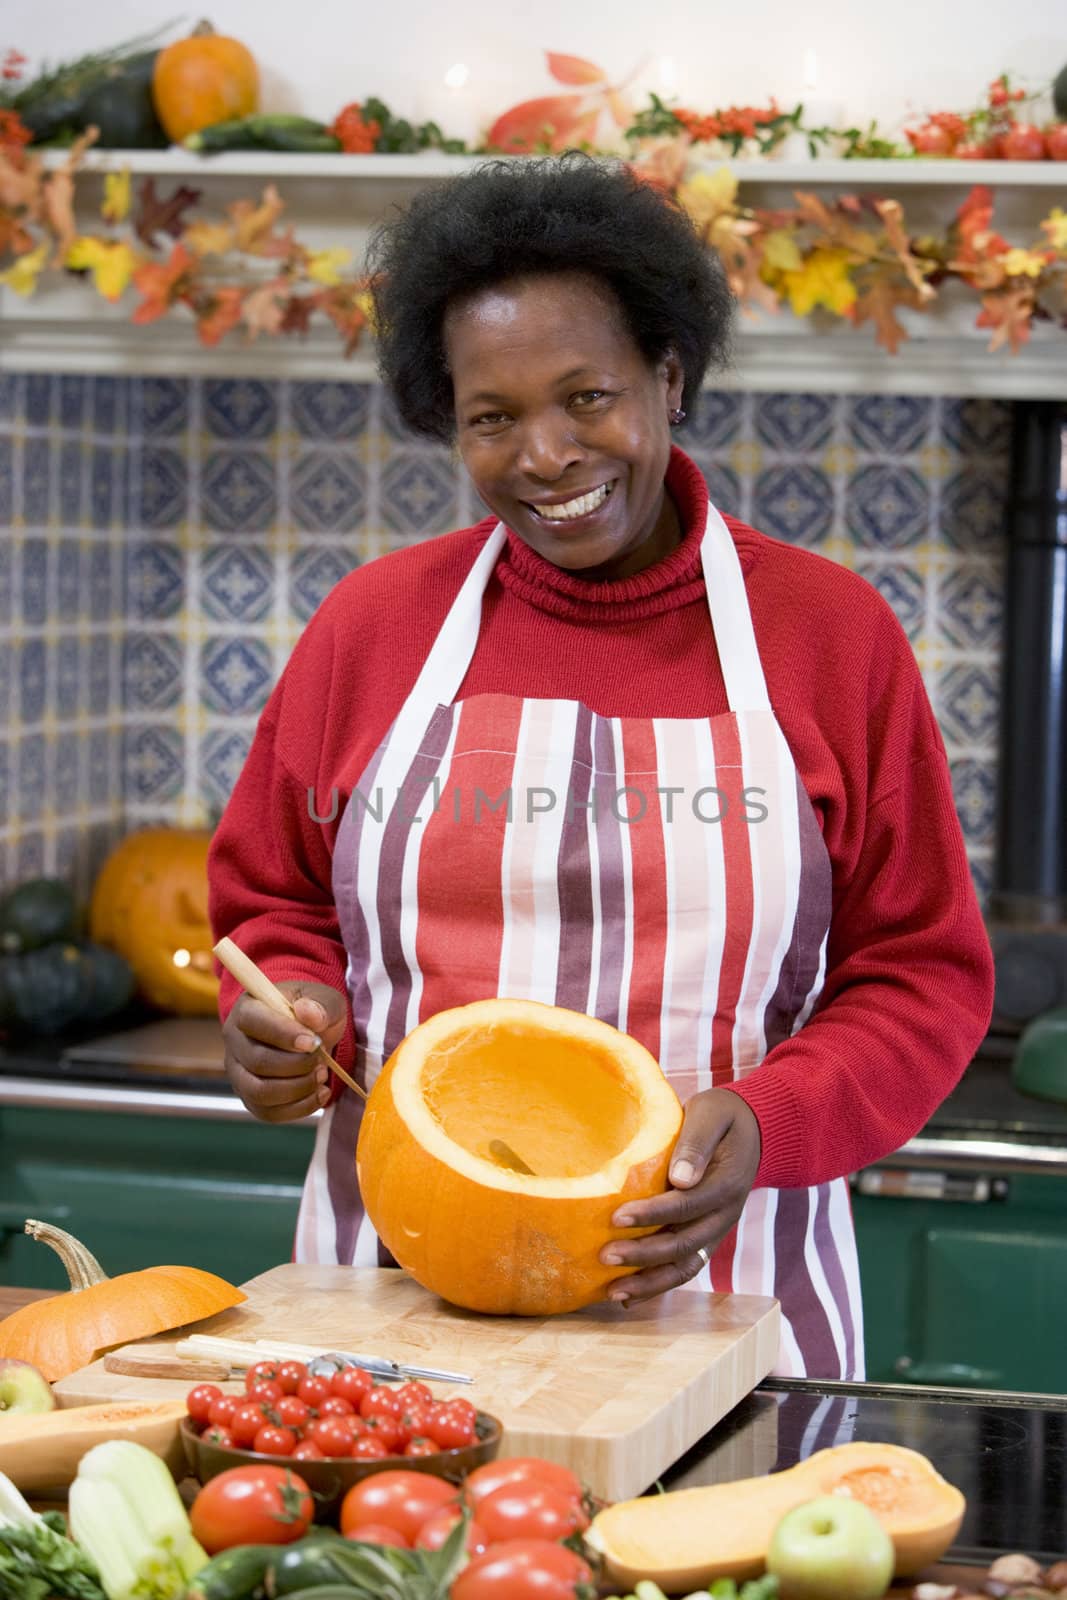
(30, 855)
(903, 587)
(102, 563)
(326, 492)
(71, 459)
(31, 795)
(72, 394)
(724, 488)
(5, 778)
(109, 401)
(394, 425)
(793, 503)
(8, 396)
(982, 878)
(418, 493)
(888, 424)
(714, 421)
(107, 487)
(238, 492)
(887, 507)
(68, 579)
(154, 579)
(237, 582)
(101, 776)
(975, 790)
(7, 567)
(972, 511)
(34, 571)
(33, 681)
(161, 405)
(240, 408)
(330, 410)
(100, 676)
(979, 428)
(36, 482)
(313, 573)
(7, 482)
(68, 680)
(65, 773)
(968, 704)
(236, 675)
(152, 671)
(153, 764)
(793, 423)
(37, 399)
(223, 752)
(164, 488)
(970, 606)
(7, 663)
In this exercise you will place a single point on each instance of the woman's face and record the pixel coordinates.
(562, 423)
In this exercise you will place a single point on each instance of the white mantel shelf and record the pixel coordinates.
(338, 199)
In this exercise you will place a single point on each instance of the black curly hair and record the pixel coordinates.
(510, 219)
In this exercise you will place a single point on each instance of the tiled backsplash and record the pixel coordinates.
(169, 538)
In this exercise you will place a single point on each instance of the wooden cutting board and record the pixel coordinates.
(616, 1395)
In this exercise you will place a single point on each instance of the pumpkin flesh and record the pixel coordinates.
(581, 1104)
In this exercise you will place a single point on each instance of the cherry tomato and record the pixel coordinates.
(222, 1410)
(413, 1392)
(378, 1533)
(530, 1511)
(260, 1504)
(290, 1374)
(335, 1405)
(246, 1423)
(400, 1499)
(522, 1569)
(313, 1391)
(261, 1372)
(292, 1412)
(368, 1447)
(930, 140)
(214, 1433)
(976, 150)
(386, 1429)
(332, 1435)
(379, 1402)
(351, 1383)
(199, 1401)
(308, 1450)
(266, 1390)
(436, 1529)
(421, 1446)
(1023, 142)
(520, 1469)
(452, 1429)
(271, 1440)
(1056, 141)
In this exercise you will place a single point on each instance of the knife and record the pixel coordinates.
(382, 1367)
(242, 1354)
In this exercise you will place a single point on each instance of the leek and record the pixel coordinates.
(127, 1514)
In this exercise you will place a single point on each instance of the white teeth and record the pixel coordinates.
(575, 508)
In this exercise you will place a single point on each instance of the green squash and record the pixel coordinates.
(113, 96)
(45, 990)
(36, 913)
(111, 982)
(1059, 92)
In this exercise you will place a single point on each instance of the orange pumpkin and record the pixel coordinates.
(204, 79)
(497, 1143)
(149, 903)
(67, 1331)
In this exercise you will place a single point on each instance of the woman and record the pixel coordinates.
(729, 827)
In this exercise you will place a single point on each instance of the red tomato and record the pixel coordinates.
(246, 1423)
(400, 1499)
(222, 1410)
(261, 1372)
(368, 1447)
(436, 1529)
(415, 1393)
(292, 1412)
(313, 1391)
(214, 1433)
(352, 1383)
(530, 1511)
(379, 1402)
(1023, 142)
(1056, 141)
(271, 1440)
(522, 1569)
(378, 1533)
(266, 1390)
(332, 1435)
(199, 1401)
(259, 1504)
(520, 1469)
(976, 150)
(308, 1450)
(452, 1429)
(930, 140)
(335, 1405)
(385, 1429)
(421, 1446)
(290, 1375)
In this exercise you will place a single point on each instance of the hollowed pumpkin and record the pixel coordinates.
(67, 1331)
(150, 903)
(583, 1106)
(687, 1539)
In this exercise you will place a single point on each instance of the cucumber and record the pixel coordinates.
(330, 1591)
(236, 1574)
(278, 132)
(302, 1565)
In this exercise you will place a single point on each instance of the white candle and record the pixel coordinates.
(451, 102)
(819, 111)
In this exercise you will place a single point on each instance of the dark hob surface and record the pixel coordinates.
(1007, 1453)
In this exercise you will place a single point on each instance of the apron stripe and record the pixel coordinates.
(739, 889)
(822, 1264)
(841, 1265)
(577, 921)
(808, 1317)
(610, 880)
(349, 854)
(640, 804)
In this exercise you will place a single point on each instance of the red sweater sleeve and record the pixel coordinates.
(909, 972)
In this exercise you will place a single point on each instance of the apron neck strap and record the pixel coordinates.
(731, 618)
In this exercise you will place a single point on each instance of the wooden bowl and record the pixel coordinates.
(329, 1480)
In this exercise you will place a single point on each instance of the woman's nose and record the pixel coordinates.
(547, 449)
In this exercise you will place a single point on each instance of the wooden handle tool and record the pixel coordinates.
(259, 986)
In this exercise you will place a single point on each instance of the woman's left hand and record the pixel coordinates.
(711, 1173)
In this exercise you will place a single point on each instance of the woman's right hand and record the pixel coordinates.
(267, 1055)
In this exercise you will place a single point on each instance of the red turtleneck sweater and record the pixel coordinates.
(909, 975)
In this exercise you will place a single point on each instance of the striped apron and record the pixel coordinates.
(666, 875)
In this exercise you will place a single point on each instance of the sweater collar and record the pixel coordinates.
(676, 580)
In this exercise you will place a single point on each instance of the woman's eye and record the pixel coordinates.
(488, 419)
(588, 397)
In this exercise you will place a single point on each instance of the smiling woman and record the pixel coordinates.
(809, 969)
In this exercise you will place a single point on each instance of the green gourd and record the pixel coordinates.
(36, 913)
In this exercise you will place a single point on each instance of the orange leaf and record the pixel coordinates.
(550, 121)
(254, 223)
(877, 303)
(1009, 315)
(224, 313)
(892, 214)
(263, 310)
(161, 283)
(622, 112)
(573, 69)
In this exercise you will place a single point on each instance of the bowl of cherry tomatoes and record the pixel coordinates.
(333, 1430)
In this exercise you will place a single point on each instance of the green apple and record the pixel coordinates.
(833, 1548)
(23, 1389)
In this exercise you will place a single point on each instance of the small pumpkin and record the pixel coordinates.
(150, 903)
(67, 1331)
(471, 1098)
(36, 912)
(201, 80)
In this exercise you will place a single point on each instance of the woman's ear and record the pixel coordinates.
(674, 377)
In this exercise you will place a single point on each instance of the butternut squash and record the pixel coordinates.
(41, 1450)
(686, 1539)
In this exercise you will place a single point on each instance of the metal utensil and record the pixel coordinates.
(382, 1367)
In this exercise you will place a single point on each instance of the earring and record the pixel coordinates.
(676, 417)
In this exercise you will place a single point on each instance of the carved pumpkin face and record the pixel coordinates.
(150, 903)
